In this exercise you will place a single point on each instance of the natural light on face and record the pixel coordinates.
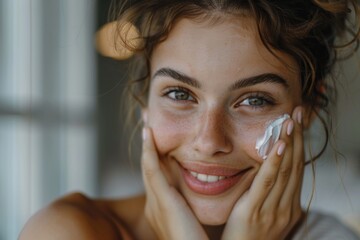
(214, 88)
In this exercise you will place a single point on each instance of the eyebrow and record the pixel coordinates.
(168, 72)
(262, 78)
(242, 83)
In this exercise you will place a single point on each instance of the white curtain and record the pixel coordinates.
(47, 105)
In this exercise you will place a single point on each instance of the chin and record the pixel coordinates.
(212, 220)
(211, 211)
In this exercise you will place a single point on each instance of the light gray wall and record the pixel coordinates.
(348, 111)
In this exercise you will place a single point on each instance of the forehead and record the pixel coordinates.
(230, 47)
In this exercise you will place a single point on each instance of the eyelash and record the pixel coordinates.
(179, 89)
(257, 95)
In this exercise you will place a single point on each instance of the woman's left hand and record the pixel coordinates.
(271, 207)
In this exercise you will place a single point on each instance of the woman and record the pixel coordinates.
(212, 76)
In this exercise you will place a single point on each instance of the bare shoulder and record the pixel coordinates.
(72, 217)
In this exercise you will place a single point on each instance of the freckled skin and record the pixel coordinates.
(210, 129)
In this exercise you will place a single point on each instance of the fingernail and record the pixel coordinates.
(144, 134)
(299, 116)
(290, 128)
(281, 149)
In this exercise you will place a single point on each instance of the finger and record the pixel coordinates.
(272, 201)
(266, 177)
(153, 176)
(293, 189)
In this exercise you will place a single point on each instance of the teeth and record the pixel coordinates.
(211, 178)
(206, 178)
(193, 173)
(202, 177)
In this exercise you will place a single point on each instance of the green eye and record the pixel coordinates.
(179, 95)
(254, 101)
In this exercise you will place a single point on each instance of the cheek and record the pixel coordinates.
(245, 135)
(251, 128)
(169, 130)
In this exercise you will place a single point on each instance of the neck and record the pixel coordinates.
(214, 232)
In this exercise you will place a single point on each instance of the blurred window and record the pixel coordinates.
(47, 105)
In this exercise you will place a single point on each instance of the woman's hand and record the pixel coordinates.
(165, 209)
(271, 208)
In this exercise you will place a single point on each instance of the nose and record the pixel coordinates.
(211, 136)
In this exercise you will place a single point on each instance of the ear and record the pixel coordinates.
(311, 111)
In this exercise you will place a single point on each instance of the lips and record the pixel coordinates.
(210, 179)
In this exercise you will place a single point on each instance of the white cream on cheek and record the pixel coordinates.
(265, 143)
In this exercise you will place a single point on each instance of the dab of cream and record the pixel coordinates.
(265, 143)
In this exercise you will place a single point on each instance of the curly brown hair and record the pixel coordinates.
(312, 32)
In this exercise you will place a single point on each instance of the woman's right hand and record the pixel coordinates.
(165, 209)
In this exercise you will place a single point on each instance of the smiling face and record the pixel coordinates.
(214, 87)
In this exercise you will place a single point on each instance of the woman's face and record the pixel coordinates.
(214, 87)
